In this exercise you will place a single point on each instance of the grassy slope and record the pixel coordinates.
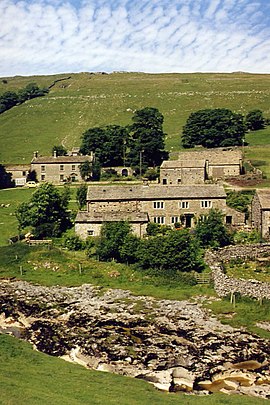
(89, 100)
(32, 378)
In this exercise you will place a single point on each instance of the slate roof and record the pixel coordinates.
(60, 159)
(134, 216)
(215, 156)
(177, 164)
(141, 192)
(264, 198)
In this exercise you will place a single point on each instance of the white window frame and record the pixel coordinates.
(159, 220)
(175, 219)
(43, 168)
(90, 232)
(73, 168)
(62, 167)
(206, 204)
(184, 204)
(159, 205)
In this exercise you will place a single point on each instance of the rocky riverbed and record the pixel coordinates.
(176, 345)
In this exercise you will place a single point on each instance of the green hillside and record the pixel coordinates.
(86, 100)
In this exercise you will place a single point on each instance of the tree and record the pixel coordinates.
(211, 231)
(60, 150)
(108, 144)
(112, 237)
(30, 91)
(129, 249)
(212, 128)
(5, 178)
(175, 251)
(85, 169)
(147, 140)
(255, 120)
(46, 212)
(32, 176)
(8, 100)
(81, 195)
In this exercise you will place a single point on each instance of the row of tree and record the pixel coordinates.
(220, 127)
(139, 145)
(10, 98)
(165, 248)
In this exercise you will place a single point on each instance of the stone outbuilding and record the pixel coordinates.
(140, 204)
(260, 212)
(19, 173)
(196, 167)
(59, 169)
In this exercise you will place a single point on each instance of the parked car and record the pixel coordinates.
(30, 184)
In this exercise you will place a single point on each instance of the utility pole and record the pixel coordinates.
(141, 159)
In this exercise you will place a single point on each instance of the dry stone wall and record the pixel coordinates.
(225, 285)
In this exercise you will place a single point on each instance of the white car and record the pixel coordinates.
(30, 184)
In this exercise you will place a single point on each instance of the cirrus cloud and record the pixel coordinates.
(53, 36)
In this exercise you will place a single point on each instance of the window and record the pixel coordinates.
(73, 167)
(228, 219)
(178, 181)
(184, 204)
(43, 168)
(158, 204)
(159, 220)
(42, 177)
(164, 181)
(206, 204)
(24, 173)
(61, 177)
(174, 220)
(61, 167)
(90, 232)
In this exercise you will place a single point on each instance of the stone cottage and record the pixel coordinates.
(260, 212)
(196, 167)
(19, 173)
(58, 169)
(140, 204)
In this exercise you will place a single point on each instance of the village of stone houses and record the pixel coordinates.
(120, 256)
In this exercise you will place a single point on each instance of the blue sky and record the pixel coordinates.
(55, 36)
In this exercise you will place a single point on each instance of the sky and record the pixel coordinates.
(158, 36)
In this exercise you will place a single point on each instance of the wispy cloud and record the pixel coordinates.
(51, 36)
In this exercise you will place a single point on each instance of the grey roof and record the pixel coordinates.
(140, 192)
(264, 198)
(177, 164)
(17, 167)
(215, 156)
(60, 159)
(134, 216)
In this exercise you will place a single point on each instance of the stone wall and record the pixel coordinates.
(225, 285)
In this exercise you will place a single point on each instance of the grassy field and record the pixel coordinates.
(86, 100)
(32, 378)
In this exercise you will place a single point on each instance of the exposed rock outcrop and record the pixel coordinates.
(175, 345)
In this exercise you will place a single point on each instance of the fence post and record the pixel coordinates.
(21, 270)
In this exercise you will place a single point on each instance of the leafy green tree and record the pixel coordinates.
(5, 178)
(46, 212)
(8, 100)
(211, 231)
(255, 120)
(85, 169)
(30, 91)
(60, 150)
(213, 127)
(111, 239)
(96, 170)
(108, 144)
(239, 200)
(129, 249)
(147, 142)
(32, 176)
(81, 195)
(176, 251)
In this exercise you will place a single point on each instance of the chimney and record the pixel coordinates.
(35, 154)
(54, 154)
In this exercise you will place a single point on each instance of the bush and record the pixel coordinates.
(74, 242)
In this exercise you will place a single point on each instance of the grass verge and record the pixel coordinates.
(31, 378)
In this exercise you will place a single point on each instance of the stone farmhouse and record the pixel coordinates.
(197, 167)
(19, 173)
(140, 204)
(59, 169)
(260, 212)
